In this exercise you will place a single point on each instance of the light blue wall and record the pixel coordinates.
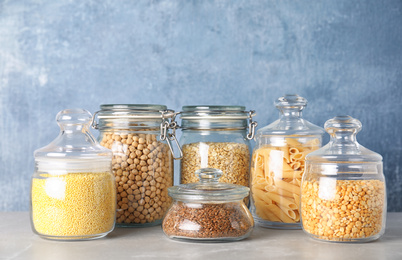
(344, 56)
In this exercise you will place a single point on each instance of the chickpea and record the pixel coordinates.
(143, 171)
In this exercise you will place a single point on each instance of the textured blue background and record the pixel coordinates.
(344, 56)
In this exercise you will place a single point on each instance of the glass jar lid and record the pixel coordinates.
(214, 112)
(291, 122)
(343, 146)
(208, 188)
(122, 115)
(75, 149)
(133, 111)
(218, 118)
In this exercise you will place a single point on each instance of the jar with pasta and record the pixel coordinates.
(278, 164)
(343, 189)
(142, 160)
(72, 190)
(216, 137)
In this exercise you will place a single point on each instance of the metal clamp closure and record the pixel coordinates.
(169, 137)
(94, 124)
(251, 125)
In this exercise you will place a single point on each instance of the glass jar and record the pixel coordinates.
(278, 164)
(343, 189)
(216, 137)
(142, 160)
(72, 189)
(208, 210)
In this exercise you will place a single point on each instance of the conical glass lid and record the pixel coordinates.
(343, 146)
(74, 149)
(290, 121)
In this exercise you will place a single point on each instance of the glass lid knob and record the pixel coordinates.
(73, 119)
(291, 101)
(346, 124)
(208, 174)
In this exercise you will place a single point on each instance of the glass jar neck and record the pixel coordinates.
(208, 124)
(73, 129)
(343, 137)
(106, 124)
(290, 113)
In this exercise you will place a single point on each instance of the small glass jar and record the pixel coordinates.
(208, 210)
(278, 164)
(216, 137)
(72, 190)
(142, 160)
(343, 189)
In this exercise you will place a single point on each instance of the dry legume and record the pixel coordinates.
(353, 211)
(143, 168)
(75, 204)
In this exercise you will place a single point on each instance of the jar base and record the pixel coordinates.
(276, 225)
(344, 240)
(139, 225)
(73, 238)
(209, 240)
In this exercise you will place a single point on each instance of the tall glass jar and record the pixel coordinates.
(216, 137)
(142, 160)
(72, 190)
(278, 164)
(343, 189)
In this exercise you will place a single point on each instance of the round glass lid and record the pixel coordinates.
(208, 188)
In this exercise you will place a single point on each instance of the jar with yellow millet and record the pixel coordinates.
(73, 190)
(343, 195)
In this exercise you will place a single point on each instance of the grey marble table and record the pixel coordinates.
(17, 241)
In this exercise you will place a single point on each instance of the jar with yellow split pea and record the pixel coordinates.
(73, 190)
(343, 189)
(140, 137)
(216, 137)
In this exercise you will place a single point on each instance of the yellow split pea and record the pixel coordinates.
(73, 205)
(354, 211)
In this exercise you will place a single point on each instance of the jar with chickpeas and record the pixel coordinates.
(142, 160)
(216, 137)
(343, 190)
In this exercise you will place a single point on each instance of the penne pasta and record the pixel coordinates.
(295, 165)
(287, 186)
(285, 153)
(292, 142)
(276, 178)
(296, 197)
(279, 213)
(281, 200)
(288, 212)
(280, 192)
(259, 195)
(293, 151)
(260, 186)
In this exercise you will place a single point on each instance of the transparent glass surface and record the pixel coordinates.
(208, 210)
(72, 189)
(343, 189)
(215, 137)
(278, 164)
(142, 163)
